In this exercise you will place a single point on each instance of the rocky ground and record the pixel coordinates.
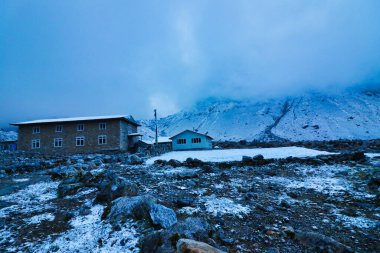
(116, 203)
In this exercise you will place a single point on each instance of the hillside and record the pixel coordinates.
(7, 135)
(314, 116)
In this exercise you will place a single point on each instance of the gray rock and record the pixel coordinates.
(164, 241)
(187, 174)
(162, 216)
(98, 162)
(173, 163)
(184, 201)
(82, 166)
(374, 182)
(107, 159)
(321, 243)
(134, 159)
(63, 172)
(68, 189)
(258, 157)
(116, 188)
(131, 207)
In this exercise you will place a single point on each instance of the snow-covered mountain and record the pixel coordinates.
(7, 135)
(314, 116)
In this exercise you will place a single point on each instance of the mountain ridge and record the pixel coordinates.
(349, 114)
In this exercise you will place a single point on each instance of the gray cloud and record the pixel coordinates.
(110, 57)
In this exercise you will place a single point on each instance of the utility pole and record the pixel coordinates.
(155, 119)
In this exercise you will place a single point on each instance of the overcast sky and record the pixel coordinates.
(74, 58)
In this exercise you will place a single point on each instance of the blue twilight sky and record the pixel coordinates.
(88, 57)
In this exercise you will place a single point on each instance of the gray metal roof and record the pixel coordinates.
(59, 120)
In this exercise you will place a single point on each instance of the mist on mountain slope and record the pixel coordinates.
(350, 114)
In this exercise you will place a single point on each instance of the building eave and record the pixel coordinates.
(126, 118)
(187, 130)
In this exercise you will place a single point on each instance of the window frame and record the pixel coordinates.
(59, 140)
(79, 138)
(57, 127)
(181, 141)
(80, 129)
(34, 143)
(103, 124)
(196, 140)
(102, 137)
(35, 128)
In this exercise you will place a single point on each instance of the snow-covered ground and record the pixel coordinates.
(225, 155)
(90, 234)
(372, 155)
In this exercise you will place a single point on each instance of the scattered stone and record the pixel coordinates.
(321, 243)
(374, 182)
(187, 174)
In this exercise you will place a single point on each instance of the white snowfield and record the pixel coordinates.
(225, 155)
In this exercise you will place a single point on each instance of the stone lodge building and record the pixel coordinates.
(78, 135)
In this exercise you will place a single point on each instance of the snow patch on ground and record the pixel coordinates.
(82, 193)
(324, 179)
(20, 180)
(90, 234)
(31, 199)
(220, 206)
(189, 210)
(372, 155)
(41, 217)
(225, 155)
(358, 222)
(320, 184)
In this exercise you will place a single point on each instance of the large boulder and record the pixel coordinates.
(166, 240)
(134, 159)
(191, 246)
(141, 208)
(173, 163)
(65, 189)
(162, 216)
(63, 172)
(137, 207)
(116, 188)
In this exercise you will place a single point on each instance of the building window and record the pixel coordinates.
(102, 126)
(36, 143)
(102, 139)
(196, 140)
(80, 127)
(79, 141)
(181, 141)
(36, 130)
(59, 129)
(58, 142)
